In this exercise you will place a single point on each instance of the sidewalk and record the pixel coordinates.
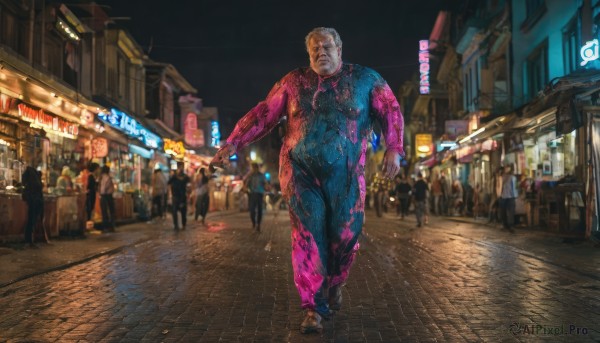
(574, 254)
(18, 261)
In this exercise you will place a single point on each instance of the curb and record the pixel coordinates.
(218, 214)
(74, 263)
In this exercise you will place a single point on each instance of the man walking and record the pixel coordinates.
(420, 190)
(507, 198)
(178, 183)
(330, 109)
(256, 183)
(33, 196)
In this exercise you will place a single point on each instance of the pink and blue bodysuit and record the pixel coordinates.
(322, 162)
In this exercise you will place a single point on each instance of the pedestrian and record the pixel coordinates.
(476, 200)
(446, 195)
(202, 199)
(33, 196)
(494, 208)
(91, 189)
(179, 182)
(507, 198)
(107, 202)
(427, 201)
(437, 192)
(403, 191)
(256, 183)
(330, 109)
(420, 190)
(159, 189)
(457, 198)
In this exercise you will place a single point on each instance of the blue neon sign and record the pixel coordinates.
(214, 133)
(123, 122)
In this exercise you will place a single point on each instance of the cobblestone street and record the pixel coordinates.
(449, 281)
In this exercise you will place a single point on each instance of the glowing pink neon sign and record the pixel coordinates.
(424, 66)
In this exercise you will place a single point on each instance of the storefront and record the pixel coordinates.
(33, 136)
(131, 163)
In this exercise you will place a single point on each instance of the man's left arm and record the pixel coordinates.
(386, 111)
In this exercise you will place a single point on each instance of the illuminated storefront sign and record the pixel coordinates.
(424, 66)
(48, 121)
(87, 118)
(99, 147)
(6, 103)
(589, 52)
(174, 148)
(192, 134)
(424, 144)
(130, 126)
(214, 133)
(145, 153)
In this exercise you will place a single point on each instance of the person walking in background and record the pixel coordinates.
(331, 108)
(178, 183)
(494, 208)
(159, 189)
(33, 196)
(420, 190)
(256, 183)
(107, 202)
(427, 201)
(403, 192)
(202, 199)
(476, 200)
(92, 189)
(436, 190)
(507, 198)
(446, 195)
(457, 198)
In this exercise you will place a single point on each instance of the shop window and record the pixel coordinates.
(54, 55)
(571, 44)
(536, 70)
(8, 29)
(534, 11)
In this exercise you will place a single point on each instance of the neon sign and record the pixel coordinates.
(48, 121)
(215, 134)
(174, 148)
(125, 123)
(589, 52)
(424, 66)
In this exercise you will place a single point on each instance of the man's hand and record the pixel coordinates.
(391, 163)
(222, 156)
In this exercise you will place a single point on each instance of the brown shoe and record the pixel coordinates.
(311, 323)
(335, 298)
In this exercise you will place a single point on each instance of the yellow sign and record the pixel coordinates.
(174, 148)
(424, 144)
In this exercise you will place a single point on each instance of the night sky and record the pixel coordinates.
(233, 52)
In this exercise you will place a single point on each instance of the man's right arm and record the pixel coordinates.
(257, 123)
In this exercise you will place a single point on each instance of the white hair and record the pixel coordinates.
(324, 31)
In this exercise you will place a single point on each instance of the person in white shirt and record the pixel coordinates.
(107, 202)
(507, 198)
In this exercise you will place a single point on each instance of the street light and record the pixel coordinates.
(252, 156)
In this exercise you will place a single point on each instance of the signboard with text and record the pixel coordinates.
(123, 122)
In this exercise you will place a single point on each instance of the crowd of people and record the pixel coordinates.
(442, 196)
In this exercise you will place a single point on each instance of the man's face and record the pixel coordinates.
(325, 56)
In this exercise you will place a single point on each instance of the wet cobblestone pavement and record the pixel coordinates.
(447, 281)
